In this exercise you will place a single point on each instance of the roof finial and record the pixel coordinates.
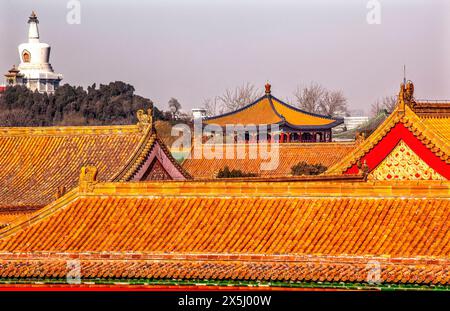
(268, 86)
(404, 74)
(33, 18)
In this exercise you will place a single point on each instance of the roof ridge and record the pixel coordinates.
(304, 111)
(367, 144)
(172, 159)
(283, 118)
(66, 130)
(28, 220)
(136, 157)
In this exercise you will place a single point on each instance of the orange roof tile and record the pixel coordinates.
(290, 154)
(37, 161)
(240, 231)
(294, 269)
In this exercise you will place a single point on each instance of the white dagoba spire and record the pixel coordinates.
(33, 31)
(35, 64)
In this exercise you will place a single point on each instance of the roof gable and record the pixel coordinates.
(402, 163)
(427, 135)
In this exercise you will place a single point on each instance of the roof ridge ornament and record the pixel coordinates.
(268, 88)
(88, 178)
(406, 96)
(145, 119)
(360, 137)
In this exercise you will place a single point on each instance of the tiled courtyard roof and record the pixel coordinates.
(290, 154)
(289, 231)
(37, 161)
(39, 164)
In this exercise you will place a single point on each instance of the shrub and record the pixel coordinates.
(304, 168)
(227, 173)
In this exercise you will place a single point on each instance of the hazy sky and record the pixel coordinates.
(192, 50)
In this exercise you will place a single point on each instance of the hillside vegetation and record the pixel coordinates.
(114, 103)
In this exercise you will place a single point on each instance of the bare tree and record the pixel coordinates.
(308, 97)
(317, 99)
(174, 107)
(387, 103)
(375, 108)
(333, 104)
(211, 105)
(240, 97)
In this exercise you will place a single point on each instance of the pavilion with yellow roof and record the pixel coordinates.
(295, 125)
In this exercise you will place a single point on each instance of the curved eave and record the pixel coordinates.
(301, 127)
(317, 127)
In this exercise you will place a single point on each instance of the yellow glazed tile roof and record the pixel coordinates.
(35, 162)
(240, 230)
(440, 126)
(290, 154)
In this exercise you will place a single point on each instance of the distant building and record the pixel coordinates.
(34, 70)
(198, 113)
(352, 123)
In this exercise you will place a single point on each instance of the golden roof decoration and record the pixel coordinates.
(88, 178)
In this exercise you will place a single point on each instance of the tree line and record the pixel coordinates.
(114, 103)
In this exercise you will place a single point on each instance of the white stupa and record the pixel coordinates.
(35, 68)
